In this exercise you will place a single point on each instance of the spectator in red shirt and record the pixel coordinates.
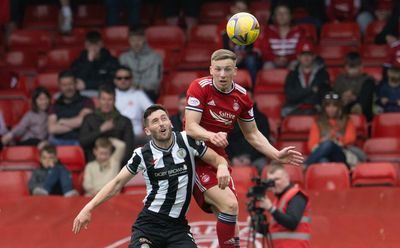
(278, 45)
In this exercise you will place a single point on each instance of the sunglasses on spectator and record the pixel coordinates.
(331, 97)
(123, 78)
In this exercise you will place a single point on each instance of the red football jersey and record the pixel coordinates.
(220, 110)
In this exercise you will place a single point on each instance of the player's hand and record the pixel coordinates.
(220, 139)
(82, 220)
(223, 176)
(289, 155)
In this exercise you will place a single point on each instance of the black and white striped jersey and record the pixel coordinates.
(169, 173)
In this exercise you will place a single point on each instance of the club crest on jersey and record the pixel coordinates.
(205, 178)
(236, 106)
(181, 153)
(193, 101)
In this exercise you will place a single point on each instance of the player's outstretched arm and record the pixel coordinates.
(193, 129)
(219, 162)
(108, 191)
(261, 143)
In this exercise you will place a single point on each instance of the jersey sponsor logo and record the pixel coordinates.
(236, 106)
(211, 103)
(230, 241)
(193, 101)
(181, 153)
(251, 112)
(163, 173)
(224, 117)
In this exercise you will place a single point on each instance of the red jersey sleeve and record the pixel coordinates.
(247, 114)
(195, 95)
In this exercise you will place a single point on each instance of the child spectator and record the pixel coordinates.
(32, 129)
(52, 178)
(106, 166)
(389, 92)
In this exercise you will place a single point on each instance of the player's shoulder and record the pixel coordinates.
(203, 81)
(239, 89)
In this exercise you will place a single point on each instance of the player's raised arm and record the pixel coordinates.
(108, 191)
(261, 143)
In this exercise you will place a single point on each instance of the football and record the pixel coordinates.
(243, 28)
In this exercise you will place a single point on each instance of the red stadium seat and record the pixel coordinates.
(296, 127)
(136, 185)
(334, 55)
(340, 33)
(71, 157)
(195, 58)
(19, 157)
(270, 104)
(327, 176)
(41, 17)
(12, 83)
(243, 78)
(213, 12)
(32, 40)
(48, 80)
(165, 36)
(13, 108)
(25, 62)
(374, 55)
(14, 183)
(75, 38)
(271, 81)
(386, 125)
(242, 176)
(90, 15)
(261, 10)
(375, 72)
(170, 102)
(361, 125)
(117, 36)
(383, 149)
(170, 60)
(301, 146)
(310, 31)
(205, 35)
(179, 82)
(374, 174)
(374, 28)
(57, 60)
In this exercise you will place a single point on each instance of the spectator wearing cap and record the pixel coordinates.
(389, 91)
(278, 46)
(95, 65)
(355, 87)
(306, 85)
(330, 133)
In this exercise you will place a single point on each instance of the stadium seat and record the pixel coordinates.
(75, 39)
(213, 12)
(170, 102)
(374, 55)
(71, 157)
(179, 82)
(90, 15)
(340, 33)
(14, 183)
(13, 108)
(166, 36)
(374, 28)
(334, 55)
(243, 78)
(374, 174)
(261, 10)
(301, 146)
(386, 125)
(25, 62)
(77, 181)
(383, 149)
(195, 58)
(327, 176)
(204, 35)
(12, 84)
(310, 31)
(270, 104)
(375, 72)
(242, 176)
(30, 40)
(116, 36)
(136, 185)
(361, 125)
(19, 158)
(271, 81)
(41, 17)
(170, 60)
(296, 127)
(48, 80)
(57, 60)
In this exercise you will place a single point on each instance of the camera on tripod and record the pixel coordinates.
(260, 187)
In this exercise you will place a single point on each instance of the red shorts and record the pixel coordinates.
(206, 178)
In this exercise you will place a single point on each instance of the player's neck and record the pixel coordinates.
(224, 90)
(164, 144)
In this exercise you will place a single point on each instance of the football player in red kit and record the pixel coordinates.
(213, 105)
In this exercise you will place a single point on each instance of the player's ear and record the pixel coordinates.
(147, 131)
(210, 69)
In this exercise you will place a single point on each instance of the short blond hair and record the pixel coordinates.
(222, 54)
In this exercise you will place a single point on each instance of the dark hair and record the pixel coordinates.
(353, 59)
(49, 149)
(136, 32)
(35, 94)
(280, 5)
(65, 74)
(103, 143)
(182, 95)
(93, 37)
(150, 110)
(123, 67)
(106, 89)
